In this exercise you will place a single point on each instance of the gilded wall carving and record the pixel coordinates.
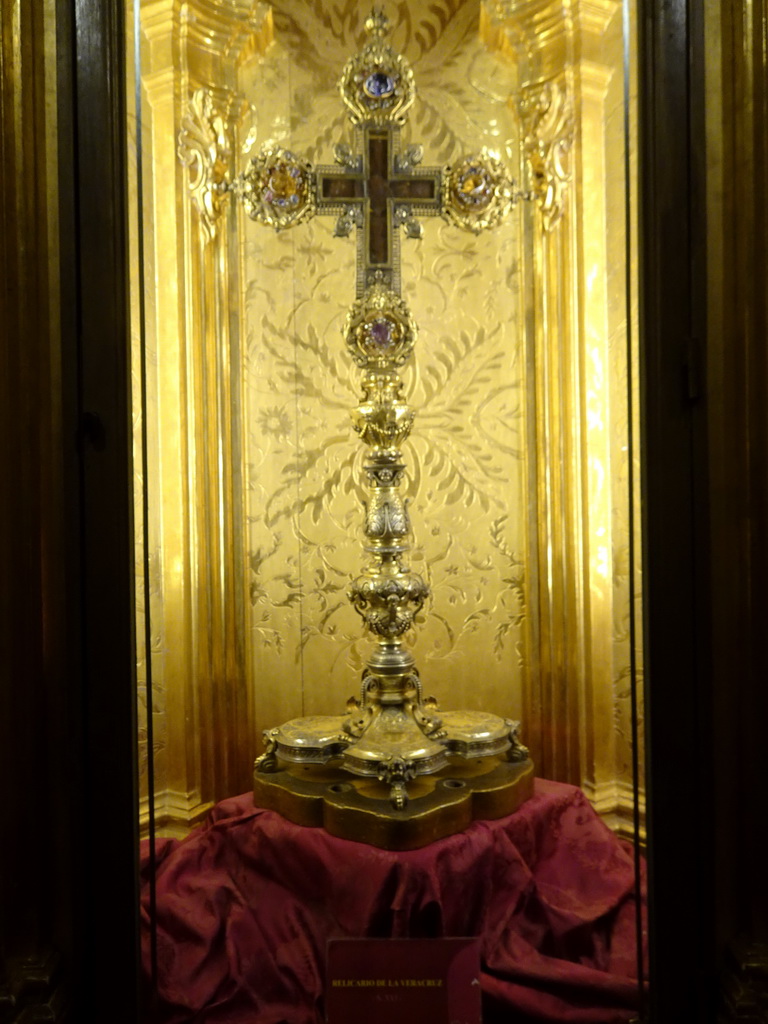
(546, 110)
(204, 149)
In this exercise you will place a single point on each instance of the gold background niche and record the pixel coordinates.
(519, 461)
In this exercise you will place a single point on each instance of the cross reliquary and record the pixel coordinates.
(395, 769)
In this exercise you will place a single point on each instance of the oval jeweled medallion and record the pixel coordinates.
(478, 192)
(277, 188)
(377, 83)
(379, 330)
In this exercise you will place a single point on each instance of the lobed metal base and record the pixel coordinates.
(394, 743)
(360, 808)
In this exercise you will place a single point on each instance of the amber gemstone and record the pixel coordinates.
(285, 186)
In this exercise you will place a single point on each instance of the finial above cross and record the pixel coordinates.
(380, 187)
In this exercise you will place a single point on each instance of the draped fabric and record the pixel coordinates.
(246, 904)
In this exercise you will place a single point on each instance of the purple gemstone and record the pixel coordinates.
(380, 333)
(379, 85)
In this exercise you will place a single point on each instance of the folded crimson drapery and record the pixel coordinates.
(247, 903)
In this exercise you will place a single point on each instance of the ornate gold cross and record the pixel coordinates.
(381, 188)
(391, 733)
(378, 193)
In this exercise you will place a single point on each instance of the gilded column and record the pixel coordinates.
(190, 56)
(570, 57)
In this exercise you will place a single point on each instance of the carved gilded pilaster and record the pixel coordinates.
(205, 151)
(570, 61)
(546, 110)
(191, 110)
(556, 448)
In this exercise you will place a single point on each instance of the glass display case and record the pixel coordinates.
(523, 463)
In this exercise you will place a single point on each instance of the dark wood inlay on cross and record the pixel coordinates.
(375, 188)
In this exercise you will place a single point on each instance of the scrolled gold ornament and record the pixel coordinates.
(477, 192)
(278, 188)
(377, 84)
(204, 149)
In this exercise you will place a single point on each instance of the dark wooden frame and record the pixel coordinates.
(68, 875)
(676, 576)
(67, 720)
(107, 984)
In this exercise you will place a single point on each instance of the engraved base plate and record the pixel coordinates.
(440, 804)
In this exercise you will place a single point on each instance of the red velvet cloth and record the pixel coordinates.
(247, 903)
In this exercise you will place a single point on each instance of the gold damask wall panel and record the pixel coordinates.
(466, 455)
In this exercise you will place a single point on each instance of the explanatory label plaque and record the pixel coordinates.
(410, 981)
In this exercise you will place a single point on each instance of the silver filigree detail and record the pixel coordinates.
(350, 218)
(404, 218)
(344, 156)
(410, 157)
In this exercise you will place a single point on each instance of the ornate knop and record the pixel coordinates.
(379, 329)
(389, 604)
(383, 419)
(548, 125)
(203, 148)
(376, 84)
(278, 188)
(477, 192)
